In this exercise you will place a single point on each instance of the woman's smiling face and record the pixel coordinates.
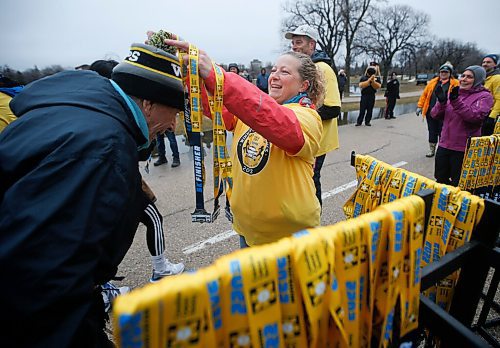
(467, 80)
(285, 81)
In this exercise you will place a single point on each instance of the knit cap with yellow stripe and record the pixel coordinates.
(152, 74)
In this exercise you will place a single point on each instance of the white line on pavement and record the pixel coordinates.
(228, 234)
(353, 183)
(339, 189)
(215, 239)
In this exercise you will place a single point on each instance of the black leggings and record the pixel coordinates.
(318, 164)
(488, 126)
(448, 166)
(434, 127)
(153, 221)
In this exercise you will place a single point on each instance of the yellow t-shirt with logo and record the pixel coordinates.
(6, 115)
(330, 138)
(273, 191)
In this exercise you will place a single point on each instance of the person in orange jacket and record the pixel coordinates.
(428, 100)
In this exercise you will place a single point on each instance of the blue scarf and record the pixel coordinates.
(11, 91)
(138, 116)
(296, 99)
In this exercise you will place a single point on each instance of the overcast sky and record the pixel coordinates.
(70, 33)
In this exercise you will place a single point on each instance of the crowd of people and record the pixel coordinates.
(456, 110)
(71, 197)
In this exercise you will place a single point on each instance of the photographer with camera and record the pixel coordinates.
(369, 84)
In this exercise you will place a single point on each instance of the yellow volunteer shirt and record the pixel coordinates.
(273, 191)
(492, 84)
(6, 115)
(330, 138)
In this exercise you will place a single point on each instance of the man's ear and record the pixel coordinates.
(312, 45)
(146, 106)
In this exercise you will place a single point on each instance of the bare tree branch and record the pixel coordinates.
(391, 30)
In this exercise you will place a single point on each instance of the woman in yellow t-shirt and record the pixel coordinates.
(276, 139)
(8, 90)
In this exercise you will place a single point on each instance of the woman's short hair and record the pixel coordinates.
(310, 72)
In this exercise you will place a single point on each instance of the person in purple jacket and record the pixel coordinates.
(463, 113)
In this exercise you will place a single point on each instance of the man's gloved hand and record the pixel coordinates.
(418, 111)
(440, 94)
(454, 93)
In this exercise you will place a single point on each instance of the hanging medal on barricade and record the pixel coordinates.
(495, 174)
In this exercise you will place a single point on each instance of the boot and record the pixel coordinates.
(176, 162)
(432, 152)
(161, 160)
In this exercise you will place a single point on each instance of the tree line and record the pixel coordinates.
(29, 75)
(397, 36)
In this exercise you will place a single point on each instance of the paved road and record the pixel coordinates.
(402, 141)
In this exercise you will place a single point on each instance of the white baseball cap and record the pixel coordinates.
(303, 30)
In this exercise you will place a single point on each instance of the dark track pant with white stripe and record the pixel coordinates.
(153, 220)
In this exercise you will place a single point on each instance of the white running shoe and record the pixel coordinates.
(170, 269)
(109, 292)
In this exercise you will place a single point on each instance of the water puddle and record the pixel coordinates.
(350, 117)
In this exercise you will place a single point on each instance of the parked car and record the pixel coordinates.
(423, 78)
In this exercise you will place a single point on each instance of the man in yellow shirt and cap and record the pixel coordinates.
(304, 40)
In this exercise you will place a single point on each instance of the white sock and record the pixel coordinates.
(159, 263)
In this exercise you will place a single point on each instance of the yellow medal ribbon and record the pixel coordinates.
(234, 307)
(471, 209)
(215, 295)
(290, 296)
(187, 312)
(337, 333)
(497, 126)
(495, 171)
(221, 160)
(469, 169)
(410, 294)
(395, 261)
(377, 242)
(136, 319)
(366, 173)
(222, 166)
(349, 257)
(311, 264)
(260, 285)
(479, 166)
(192, 118)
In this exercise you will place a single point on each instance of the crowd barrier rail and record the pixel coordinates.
(470, 318)
(358, 283)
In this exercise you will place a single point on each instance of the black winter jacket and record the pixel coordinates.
(70, 200)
